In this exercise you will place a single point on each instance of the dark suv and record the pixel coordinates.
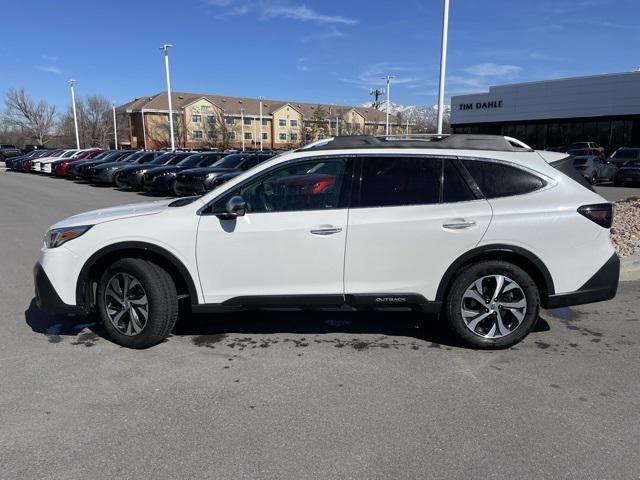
(201, 180)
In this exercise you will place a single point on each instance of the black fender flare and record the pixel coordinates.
(83, 277)
(495, 248)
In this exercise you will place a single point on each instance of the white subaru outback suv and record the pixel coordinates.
(483, 229)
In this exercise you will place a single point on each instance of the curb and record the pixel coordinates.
(630, 268)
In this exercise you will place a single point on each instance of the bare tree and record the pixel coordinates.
(34, 119)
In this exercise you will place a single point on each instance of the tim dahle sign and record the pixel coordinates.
(481, 105)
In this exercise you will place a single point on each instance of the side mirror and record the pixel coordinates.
(236, 206)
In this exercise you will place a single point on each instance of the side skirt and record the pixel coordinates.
(368, 301)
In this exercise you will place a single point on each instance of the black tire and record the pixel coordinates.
(118, 181)
(162, 302)
(594, 179)
(174, 189)
(470, 274)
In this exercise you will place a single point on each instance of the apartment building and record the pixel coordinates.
(236, 122)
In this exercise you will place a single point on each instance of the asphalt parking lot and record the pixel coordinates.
(302, 394)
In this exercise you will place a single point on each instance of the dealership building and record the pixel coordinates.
(552, 113)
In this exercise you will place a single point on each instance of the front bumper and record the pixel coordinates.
(134, 179)
(47, 298)
(158, 184)
(191, 186)
(633, 177)
(102, 177)
(602, 286)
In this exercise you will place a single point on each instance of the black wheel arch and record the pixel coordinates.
(91, 270)
(514, 254)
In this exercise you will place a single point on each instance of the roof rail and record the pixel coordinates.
(432, 141)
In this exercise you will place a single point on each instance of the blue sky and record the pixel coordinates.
(327, 51)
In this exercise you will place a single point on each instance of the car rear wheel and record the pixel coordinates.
(137, 302)
(492, 304)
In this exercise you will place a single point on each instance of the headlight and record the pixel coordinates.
(58, 236)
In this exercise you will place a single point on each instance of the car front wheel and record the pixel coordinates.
(137, 302)
(118, 180)
(492, 304)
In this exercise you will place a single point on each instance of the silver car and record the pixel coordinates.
(595, 169)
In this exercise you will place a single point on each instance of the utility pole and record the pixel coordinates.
(388, 79)
(376, 93)
(242, 126)
(115, 127)
(75, 116)
(166, 48)
(443, 64)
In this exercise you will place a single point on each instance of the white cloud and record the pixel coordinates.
(493, 70)
(50, 69)
(270, 9)
(304, 13)
(333, 33)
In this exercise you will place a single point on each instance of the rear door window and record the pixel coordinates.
(454, 186)
(497, 179)
(395, 181)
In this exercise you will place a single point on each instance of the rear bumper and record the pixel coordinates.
(47, 298)
(602, 286)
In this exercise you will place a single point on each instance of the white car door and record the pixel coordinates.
(409, 227)
(290, 243)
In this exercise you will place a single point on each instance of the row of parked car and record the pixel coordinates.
(175, 173)
(622, 167)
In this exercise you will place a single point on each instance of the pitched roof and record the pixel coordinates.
(251, 106)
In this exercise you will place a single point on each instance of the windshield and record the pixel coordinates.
(191, 160)
(132, 157)
(101, 155)
(162, 158)
(230, 161)
(626, 153)
(69, 153)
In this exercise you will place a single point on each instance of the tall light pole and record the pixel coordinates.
(388, 79)
(260, 123)
(242, 126)
(166, 48)
(443, 64)
(115, 127)
(75, 115)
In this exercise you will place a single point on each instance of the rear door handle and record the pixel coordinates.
(459, 225)
(326, 230)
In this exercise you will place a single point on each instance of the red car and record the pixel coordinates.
(60, 168)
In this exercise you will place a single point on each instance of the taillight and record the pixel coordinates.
(601, 213)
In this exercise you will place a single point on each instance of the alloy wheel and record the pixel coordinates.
(126, 304)
(493, 306)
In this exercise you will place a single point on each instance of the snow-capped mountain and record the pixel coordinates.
(414, 113)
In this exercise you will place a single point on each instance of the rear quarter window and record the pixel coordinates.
(501, 180)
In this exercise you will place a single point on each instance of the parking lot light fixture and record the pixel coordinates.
(443, 64)
(260, 123)
(115, 127)
(166, 48)
(242, 126)
(388, 80)
(71, 83)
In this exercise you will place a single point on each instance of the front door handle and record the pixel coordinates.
(459, 225)
(326, 230)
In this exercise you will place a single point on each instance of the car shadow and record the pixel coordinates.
(208, 329)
